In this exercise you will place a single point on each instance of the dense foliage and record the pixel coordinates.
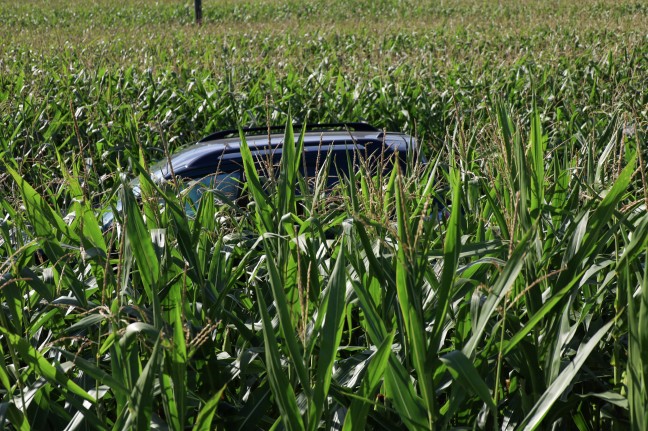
(526, 307)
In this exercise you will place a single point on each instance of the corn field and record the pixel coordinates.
(524, 307)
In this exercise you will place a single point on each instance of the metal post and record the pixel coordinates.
(198, 5)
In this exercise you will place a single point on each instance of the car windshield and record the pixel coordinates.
(224, 186)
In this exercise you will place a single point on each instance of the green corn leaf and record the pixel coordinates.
(95, 372)
(42, 366)
(174, 383)
(290, 158)
(206, 414)
(451, 250)
(390, 191)
(281, 388)
(9, 411)
(140, 409)
(204, 222)
(562, 382)
(506, 129)
(81, 207)
(140, 240)
(541, 314)
(400, 391)
(500, 289)
(4, 373)
(411, 304)
(285, 321)
(171, 410)
(398, 387)
(463, 370)
(637, 365)
(609, 135)
(609, 397)
(495, 210)
(375, 326)
(536, 163)
(264, 210)
(255, 407)
(14, 300)
(637, 244)
(118, 371)
(186, 242)
(522, 182)
(49, 225)
(83, 324)
(150, 205)
(134, 329)
(426, 193)
(330, 337)
(600, 217)
(42, 217)
(356, 416)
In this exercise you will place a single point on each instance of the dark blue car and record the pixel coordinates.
(215, 162)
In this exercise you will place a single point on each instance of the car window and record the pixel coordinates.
(345, 160)
(224, 185)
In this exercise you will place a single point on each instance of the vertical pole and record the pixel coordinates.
(198, 7)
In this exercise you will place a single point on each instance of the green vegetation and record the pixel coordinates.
(527, 308)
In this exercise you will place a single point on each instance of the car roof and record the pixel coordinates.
(323, 128)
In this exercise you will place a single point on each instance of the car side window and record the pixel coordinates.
(344, 161)
(224, 185)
